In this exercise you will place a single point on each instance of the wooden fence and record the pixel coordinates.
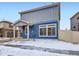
(69, 36)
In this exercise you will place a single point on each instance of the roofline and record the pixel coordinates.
(6, 22)
(40, 8)
(20, 21)
(74, 15)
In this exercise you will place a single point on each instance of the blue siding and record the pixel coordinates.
(34, 31)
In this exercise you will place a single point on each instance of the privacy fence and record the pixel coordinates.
(69, 36)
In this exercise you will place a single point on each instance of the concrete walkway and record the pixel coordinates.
(68, 52)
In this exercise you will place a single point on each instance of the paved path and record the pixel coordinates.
(68, 52)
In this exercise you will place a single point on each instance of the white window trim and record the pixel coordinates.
(41, 26)
(55, 32)
(54, 25)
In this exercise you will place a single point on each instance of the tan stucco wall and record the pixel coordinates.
(69, 36)
(4, 25)
(1, 25)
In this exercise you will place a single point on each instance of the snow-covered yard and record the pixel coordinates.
(55, 44)
(11, 51)
(51, 44)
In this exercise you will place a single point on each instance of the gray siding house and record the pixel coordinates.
(74, 21)
(40, 23)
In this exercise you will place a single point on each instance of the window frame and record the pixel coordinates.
(42, 26)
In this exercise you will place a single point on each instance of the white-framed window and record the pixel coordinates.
(47, 30)
(42, 30)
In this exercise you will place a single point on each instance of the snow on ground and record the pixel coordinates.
(48, 44)
(11, 51)
(4, 38)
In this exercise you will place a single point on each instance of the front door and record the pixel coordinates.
(24, 31)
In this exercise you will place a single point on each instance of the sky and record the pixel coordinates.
(68, 9)
(9, 11)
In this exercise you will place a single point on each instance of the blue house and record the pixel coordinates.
(40, 23)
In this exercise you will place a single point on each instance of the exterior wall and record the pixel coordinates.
(43, 15)
(69, 36)
(6, 33)
(5, 25)
(1, 25)
(34, 31)
(6, 30)
(74, 22)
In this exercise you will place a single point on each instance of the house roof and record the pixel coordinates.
(40, 8)
(6, 22)
(74, 15)
(20, 21)
(23, 22)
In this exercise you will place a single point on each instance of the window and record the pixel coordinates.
(47, 30)
(43, 31)
(51, 31)
(74, 27)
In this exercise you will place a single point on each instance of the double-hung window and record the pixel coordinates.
(51, 30)
(48, 30)
(43, 30)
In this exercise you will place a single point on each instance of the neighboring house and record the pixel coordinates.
(74, 20)
(6, 29)
(40, 23)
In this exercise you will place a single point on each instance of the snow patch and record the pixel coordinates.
(55, 44)
(11, 51)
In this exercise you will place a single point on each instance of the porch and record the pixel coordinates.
(23, 30)
(7, 33)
